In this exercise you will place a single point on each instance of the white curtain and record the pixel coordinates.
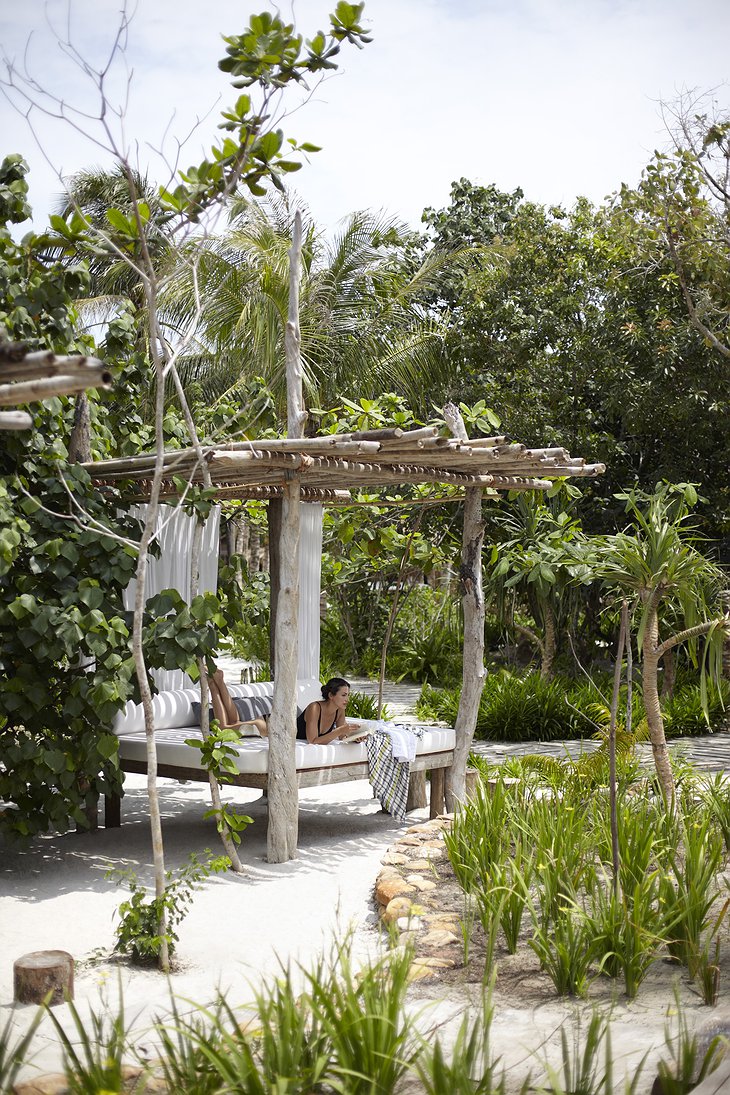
(310, 580)
(172, 569)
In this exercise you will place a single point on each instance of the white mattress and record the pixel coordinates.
(253, 753)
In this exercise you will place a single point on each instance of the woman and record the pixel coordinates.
(323, 720)
(319, 723)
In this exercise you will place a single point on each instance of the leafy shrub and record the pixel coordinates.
(515, 708)
(434, 655)
(683, 713)
(362, 706)
(138, 930)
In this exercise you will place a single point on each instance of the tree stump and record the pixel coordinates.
(39, 973)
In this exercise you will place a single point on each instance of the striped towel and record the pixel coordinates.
(389, 776)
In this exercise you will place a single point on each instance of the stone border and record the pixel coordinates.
(407, 892)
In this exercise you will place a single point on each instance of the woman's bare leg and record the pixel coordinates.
(224, 708)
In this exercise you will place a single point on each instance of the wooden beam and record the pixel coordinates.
(15, 420)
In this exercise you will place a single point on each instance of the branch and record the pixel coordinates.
(690, 633)
(531, 635)
(694, 315)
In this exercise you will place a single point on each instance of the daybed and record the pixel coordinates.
(336, 762)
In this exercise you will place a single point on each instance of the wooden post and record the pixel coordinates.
(437, 791)
(274, 507)
(283, 790)
(474, 672)
(416, 791)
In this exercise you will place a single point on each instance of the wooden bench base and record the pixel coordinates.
(436, 763)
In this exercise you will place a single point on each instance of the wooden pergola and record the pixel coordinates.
(287, 471)
(27, 376)
(330, 468)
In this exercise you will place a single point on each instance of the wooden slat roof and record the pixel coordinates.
(337, 463)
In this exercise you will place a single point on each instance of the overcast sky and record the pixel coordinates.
(560, 97)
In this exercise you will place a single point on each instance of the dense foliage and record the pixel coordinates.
(64, 656)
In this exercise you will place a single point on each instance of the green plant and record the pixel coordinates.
(689, 888)
(362, 706)
(516, 879)
(627, 928)
(582, 1071)
(714, 792)
(471, 1070)
(478, 836)
(687, 1065)
(184, 1064)
(565, 946)
(92, 1061)
(217, 755)
(14, 1050)
(689, 712)
(362, 1013)
(138, 930)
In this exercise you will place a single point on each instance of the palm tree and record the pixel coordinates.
(676, 593)
(363, 327)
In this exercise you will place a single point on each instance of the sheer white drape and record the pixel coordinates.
(172, 569)
(310, 580)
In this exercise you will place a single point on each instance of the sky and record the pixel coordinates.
(559, 97)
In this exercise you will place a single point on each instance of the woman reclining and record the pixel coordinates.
(321, 721)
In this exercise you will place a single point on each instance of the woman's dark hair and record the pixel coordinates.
(334, 684)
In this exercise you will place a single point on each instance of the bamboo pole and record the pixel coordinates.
(45, 364)
(33, 390)
(15, 420)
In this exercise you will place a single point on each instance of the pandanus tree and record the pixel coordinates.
(675, 592)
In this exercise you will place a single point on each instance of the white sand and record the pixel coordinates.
(56, 896)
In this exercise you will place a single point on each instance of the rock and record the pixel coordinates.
(397, 907)
(439, 937)
(53, 1084)
(417, 865)
(440, 922)
(408, 925)
(396, 859)
(391, 886)
(409, 840)
(435, 963)
(423, 885)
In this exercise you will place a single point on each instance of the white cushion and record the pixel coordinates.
(173, 709)
(253, 753)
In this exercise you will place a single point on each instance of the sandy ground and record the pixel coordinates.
(56, 895)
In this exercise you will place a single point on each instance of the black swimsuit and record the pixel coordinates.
(302, 725)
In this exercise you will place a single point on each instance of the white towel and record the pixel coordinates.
(402, 740)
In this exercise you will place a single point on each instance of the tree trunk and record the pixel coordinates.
(215, 792)
(650, 689)
(283, 789)
(669, 662)
(550, 643)
(473, 675)
(79, 446)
